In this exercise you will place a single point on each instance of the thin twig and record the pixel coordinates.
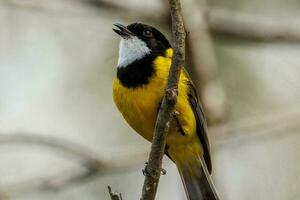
(114, 195)
(153, 168)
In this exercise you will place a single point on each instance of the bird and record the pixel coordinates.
(144, 61)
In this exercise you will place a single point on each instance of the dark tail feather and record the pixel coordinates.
(197, 181)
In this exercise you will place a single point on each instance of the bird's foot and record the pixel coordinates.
(147, 172)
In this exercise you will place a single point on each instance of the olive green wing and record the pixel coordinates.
(200, 121)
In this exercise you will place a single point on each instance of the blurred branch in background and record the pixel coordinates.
(222, 21)
(91, 163)
(74, 150)
(254, 27)
(265, 126)
(202, 60)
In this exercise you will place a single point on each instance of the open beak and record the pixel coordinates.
(122, 31)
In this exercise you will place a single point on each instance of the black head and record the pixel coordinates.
(154, 39)
(139, 46)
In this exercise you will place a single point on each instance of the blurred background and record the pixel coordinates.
(61, 136)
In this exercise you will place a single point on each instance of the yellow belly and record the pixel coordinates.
(139, 106)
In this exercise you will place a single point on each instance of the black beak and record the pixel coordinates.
(122, 31)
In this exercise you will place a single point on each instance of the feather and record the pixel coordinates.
(196, 179)
(201, 125)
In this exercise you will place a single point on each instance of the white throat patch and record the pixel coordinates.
(130, 50)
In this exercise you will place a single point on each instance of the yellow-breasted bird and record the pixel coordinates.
(145, 57)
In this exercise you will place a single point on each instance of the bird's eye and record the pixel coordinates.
(147, 33)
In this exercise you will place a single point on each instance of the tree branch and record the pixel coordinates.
(114, 195)
(153, 168)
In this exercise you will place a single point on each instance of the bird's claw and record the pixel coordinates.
(147, 173)
(175, 113)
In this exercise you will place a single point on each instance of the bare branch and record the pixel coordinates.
(154, 166)
(114, 195)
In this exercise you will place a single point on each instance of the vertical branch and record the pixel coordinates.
(199, 42)
(153, 168)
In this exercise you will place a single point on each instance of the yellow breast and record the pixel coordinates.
(139, 106)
